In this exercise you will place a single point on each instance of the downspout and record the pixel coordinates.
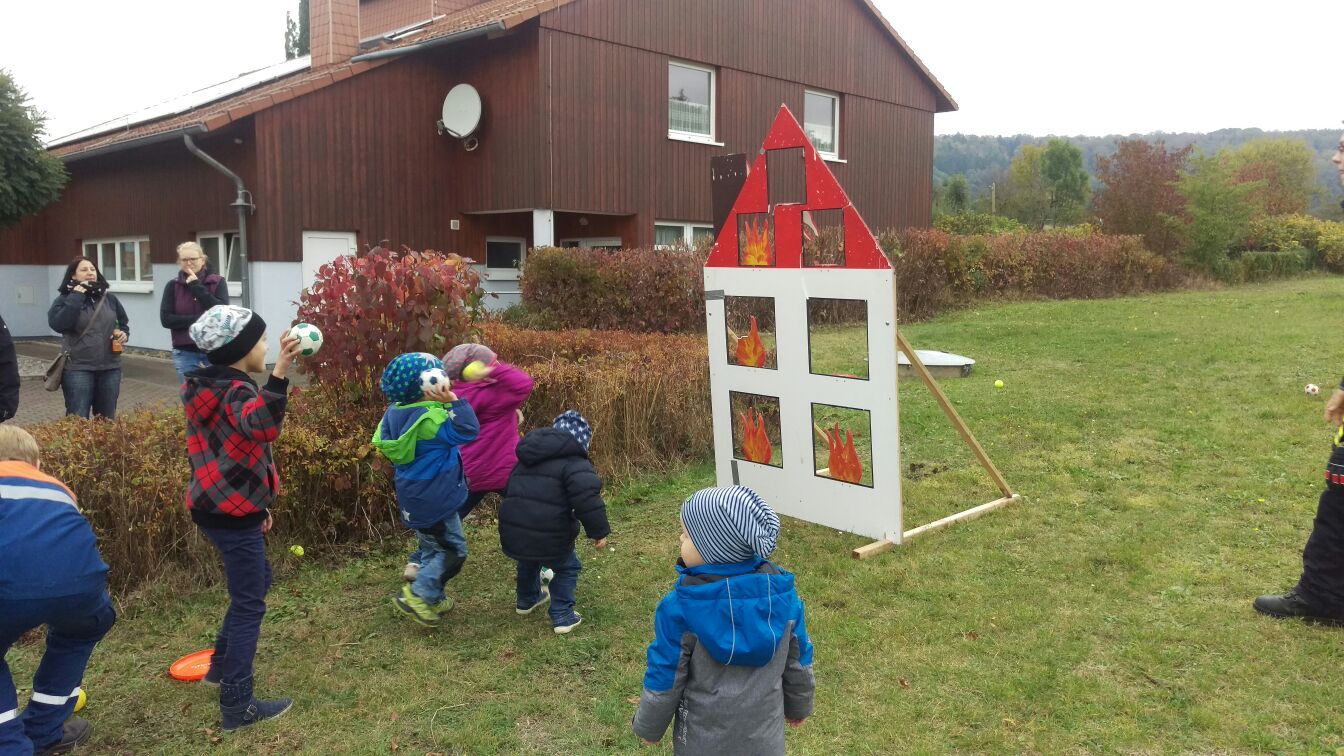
(243, 203)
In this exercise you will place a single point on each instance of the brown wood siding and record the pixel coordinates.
(829, 44)
(161, 192)
(607, 108)
(363, 155)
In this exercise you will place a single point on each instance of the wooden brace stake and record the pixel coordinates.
(952, 415)
(877, 547)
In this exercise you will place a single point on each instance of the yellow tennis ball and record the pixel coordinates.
(998, 384)
(296, 550)
(82, 700)
(474, 371)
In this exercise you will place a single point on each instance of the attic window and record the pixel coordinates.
(690, 102)
(821, 121)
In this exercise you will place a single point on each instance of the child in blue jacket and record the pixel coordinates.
(730, 660)
(420, 434)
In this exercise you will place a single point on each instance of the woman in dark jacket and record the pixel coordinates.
(195, 290)
(93, 337)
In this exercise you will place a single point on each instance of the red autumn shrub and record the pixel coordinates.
(645, 290)
(378, 305)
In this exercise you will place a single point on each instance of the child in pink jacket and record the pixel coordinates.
(496, 391)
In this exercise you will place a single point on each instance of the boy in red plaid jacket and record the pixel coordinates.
(230, 426)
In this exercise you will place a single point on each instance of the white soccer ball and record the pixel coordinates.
(432, 379)
(1313, 389)
(309, 336)
(547, 575)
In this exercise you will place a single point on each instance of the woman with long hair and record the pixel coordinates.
(93, 326)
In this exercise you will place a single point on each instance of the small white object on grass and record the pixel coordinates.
(1313, 389)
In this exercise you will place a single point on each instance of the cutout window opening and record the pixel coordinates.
(756, 240)
(842, 444)
(756, 429)
(837, 338)
(750, 332)
(786, 174)
(823, 238)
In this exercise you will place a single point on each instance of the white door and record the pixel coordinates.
(321, 247)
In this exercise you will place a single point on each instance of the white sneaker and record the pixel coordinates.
(547, 575)
(543, 601)
(562, 629)
(410, 571)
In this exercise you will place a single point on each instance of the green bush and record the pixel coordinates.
(1263, 265)
(645, 290)
(977, 223)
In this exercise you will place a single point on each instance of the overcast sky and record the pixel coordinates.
(1032, 66)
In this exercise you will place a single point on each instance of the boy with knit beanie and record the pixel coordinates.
(553, 489)
(231, 423)
(420, 433)
(730, 660)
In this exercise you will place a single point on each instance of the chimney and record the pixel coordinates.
(333, 31)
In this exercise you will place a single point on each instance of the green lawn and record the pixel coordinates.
(1171, 463)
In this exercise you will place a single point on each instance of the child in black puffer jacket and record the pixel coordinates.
(553, 489)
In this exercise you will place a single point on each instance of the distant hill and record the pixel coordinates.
(983, 159)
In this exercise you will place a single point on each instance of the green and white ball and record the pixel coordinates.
(309, 336)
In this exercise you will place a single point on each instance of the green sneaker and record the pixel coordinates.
(415, 607)
(443, 606)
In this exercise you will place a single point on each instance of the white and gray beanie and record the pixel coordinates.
(227, 333)
(730, 524)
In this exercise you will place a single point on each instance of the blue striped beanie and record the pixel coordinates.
(730, 524)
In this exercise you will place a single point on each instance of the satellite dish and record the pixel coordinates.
(461, 112)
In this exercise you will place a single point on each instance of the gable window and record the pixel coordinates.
(673, 233)
(125, 263)
(221, 250)
(821, 121)
(690, 102)
(504, 257)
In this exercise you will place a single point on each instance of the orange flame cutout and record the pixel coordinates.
(757, 250)
(750, 350)
(755, 444)
(844, 459)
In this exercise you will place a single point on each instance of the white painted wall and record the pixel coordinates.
(25, 295)
(275, 294)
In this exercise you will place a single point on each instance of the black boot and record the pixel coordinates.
(238, 708)
(76, 731)
(1292, 604)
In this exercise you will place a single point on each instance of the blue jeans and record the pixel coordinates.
(75, 624)
(444, 550)
(475, 497)
(248, 575)
(95, 390)
(563, 587)
(184, 362)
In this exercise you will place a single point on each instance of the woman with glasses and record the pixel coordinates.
(194, 290)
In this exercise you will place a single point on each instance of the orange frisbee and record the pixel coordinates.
(192, 667)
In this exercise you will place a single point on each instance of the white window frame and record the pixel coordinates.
(235, 287)
(833, 157)
(114, 281)
(688, 229)
(691, 136)
(504, 274)
(591, 242)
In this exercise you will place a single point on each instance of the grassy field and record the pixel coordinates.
(1171, 462)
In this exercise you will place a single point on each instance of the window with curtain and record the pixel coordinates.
(821, 121)
(690, 101)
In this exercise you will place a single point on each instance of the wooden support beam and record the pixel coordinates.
(877, 547)
(952, 415)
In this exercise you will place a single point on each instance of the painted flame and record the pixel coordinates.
(844, 459)
(755, 444)
(750, 350)
(757, 250)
